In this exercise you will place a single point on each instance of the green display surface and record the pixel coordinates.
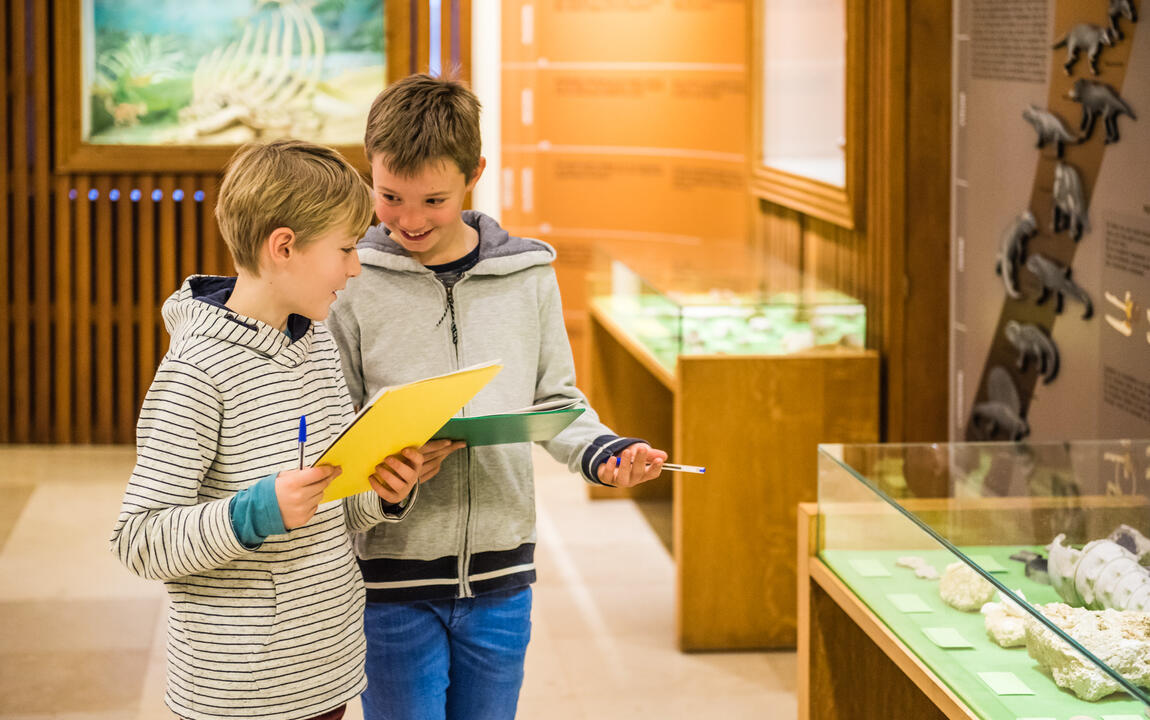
(959, 667)
(508, 428)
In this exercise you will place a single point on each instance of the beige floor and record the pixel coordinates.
(82, 639)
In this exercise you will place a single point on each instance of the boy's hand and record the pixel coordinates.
(394, 478)
(434, 453)
(299, 491)
(637, 464)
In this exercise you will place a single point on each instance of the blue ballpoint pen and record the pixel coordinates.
(302, 438)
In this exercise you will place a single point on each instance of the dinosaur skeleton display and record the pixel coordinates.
(263, 82)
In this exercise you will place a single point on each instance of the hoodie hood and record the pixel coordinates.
(198, 311)
(500, 253)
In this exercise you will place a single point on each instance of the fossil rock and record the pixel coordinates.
(921, 567)
(1103, 574)
(1119, 639)
(1006, 621)
(963, 588)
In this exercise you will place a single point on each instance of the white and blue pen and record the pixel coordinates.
(302, 438)
(673, 467)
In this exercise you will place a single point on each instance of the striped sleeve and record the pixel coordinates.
(163, 532)
(366, 510)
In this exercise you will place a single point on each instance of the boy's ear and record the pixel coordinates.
(478, 172)
(280, 244)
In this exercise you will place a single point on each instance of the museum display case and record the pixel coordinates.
(693, 313)
(752, 417)
(1004, 580)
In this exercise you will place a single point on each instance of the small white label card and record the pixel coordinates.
(987, 563)
(908, 603)
(869, 567)
(1005, 683)
(946, 637)
(1036, 718)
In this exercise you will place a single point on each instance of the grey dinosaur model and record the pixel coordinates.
(1001, 412)
(1031, 341)
(1069, 201)
(1088, 37)
(1014, 240)
(1055, 279)
(1049, 127)
(1121, 9)
(1099, 99)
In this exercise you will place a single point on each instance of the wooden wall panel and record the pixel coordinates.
(87, 259)
(898, 263)
(5, 235)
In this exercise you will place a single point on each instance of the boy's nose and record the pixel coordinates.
(411, 220)
(354, 267)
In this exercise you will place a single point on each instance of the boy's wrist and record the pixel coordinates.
(255, 513)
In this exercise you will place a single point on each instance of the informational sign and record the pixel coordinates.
(1051, 221)
(624, 118)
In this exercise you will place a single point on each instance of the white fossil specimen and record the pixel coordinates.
(964, 589)
(1133, 541)
(1006, 621)
(1119, 639)
(921, 567)
(1103, 574)
(265, 81)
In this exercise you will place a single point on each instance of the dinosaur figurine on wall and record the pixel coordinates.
(1069, 201)
(1085, 36)
(1014, 240)
(1099, 99)
(1049, 127)
(1001, 412)
(1030, 341)
(1121, 9)
(1055, 279)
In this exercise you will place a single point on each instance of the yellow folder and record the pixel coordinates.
(398, 416)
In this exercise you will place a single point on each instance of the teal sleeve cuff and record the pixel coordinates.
(255, 513)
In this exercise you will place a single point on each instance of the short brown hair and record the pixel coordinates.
(422, 118)
(308, 188)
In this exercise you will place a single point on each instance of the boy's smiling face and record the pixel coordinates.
(424, 211)
(320, 269)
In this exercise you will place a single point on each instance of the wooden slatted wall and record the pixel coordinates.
(88, 259)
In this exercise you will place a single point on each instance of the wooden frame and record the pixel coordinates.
(842, 206)
(406, 46)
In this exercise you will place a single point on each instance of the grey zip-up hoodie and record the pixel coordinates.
(473, 530)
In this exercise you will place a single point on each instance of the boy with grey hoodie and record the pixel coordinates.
(449, 599)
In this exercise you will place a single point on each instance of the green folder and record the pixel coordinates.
(512, 427)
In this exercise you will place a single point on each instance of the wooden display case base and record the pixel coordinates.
(851, 666)
(755, 423)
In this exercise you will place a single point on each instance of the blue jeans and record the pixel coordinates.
(447, 659)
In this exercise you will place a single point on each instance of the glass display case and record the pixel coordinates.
(1017, 573)
(687, 311)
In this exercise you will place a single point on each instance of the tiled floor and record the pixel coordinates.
(82, 639)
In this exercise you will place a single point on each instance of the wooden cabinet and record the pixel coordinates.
(754, 422)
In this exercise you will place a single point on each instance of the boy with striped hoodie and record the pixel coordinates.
(266, 617)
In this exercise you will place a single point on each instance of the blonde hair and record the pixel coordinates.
(422, 118)
(308, 188)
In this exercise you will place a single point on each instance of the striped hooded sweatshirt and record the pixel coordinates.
(274, 632)
(473, 530)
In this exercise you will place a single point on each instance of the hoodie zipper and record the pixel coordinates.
(464, 556)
